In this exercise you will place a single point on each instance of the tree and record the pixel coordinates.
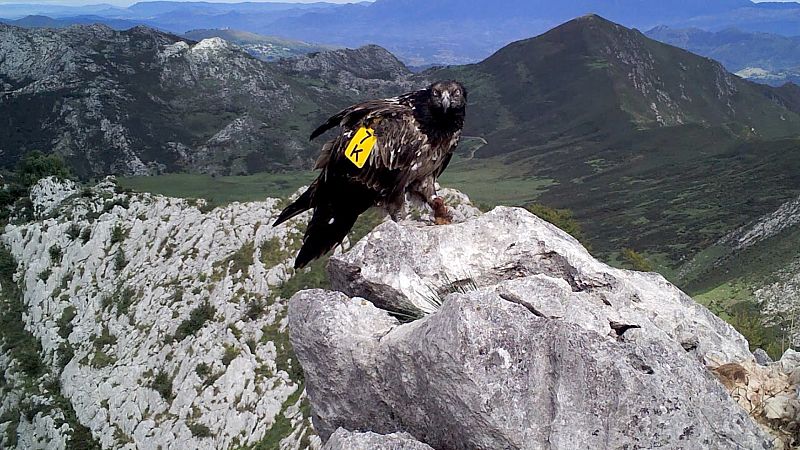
(36, 165)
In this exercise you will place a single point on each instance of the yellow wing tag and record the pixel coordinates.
(360, 146)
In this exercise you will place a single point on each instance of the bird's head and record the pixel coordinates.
(448, 97)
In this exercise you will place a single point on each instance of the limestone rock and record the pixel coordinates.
(160, 322)
(48, 193)
(411, 267)
(348, 440)
(527, 342)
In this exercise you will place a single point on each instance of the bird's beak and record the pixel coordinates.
(445, 100)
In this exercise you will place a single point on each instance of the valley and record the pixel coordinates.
(166, 285)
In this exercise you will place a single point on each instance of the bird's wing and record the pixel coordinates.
(400, 151)
(365, 111)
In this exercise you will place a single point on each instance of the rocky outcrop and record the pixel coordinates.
(770, 393)
(348, 440)
(152, 322)
(525, 341)
(47, 194)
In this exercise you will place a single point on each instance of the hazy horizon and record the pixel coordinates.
(125, 3)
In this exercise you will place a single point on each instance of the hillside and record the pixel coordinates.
(142, 321)
(634, 134)
(751, 277)
(265, 48)
(763, 57)
(143, 102)
(625, 131)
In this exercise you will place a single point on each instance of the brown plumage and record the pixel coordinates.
(415, 135)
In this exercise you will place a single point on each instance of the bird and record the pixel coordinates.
(384, 149)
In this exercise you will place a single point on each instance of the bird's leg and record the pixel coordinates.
(394, 206)
(441, 215)
(426, 189)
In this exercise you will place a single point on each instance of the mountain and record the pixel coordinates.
(591, 116)
(38, 21)
(772, 78)
(20, 10)
(266, 48)
(457, 32)
(734, 48)
(630, 133)
(763, 57)
(764, 17)
(423, 32)
(142, 102)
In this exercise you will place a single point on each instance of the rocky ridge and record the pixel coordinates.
(159, 323)
(526, 341)
(142, 101)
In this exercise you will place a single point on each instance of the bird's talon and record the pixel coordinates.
(443, 220)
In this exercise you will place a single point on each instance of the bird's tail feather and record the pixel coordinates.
(303, 203)
(327, 228)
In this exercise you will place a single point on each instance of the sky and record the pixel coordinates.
(130, 2)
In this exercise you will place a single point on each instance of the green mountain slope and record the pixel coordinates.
(653, 147)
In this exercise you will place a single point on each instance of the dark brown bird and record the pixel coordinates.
(384, 149)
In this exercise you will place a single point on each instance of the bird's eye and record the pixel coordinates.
(436, 93)
(457, 92)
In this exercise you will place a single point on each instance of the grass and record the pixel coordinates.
(282, 427)
(221, 190)
(285, 358)
(492, 182)
(239, 261)
(485, 181)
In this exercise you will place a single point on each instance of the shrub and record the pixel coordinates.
(55, 254)
(255, 309)
(562, 218)
(45, 274)
(117, 234)
(73, 231)
(124, 203)
(197, 318)
(162, 383)
(122, 298)
(636, 261)
(65, 354)
(65, 321)
(230, 354)
(119, 261)
(199, 430)
(203, 370)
